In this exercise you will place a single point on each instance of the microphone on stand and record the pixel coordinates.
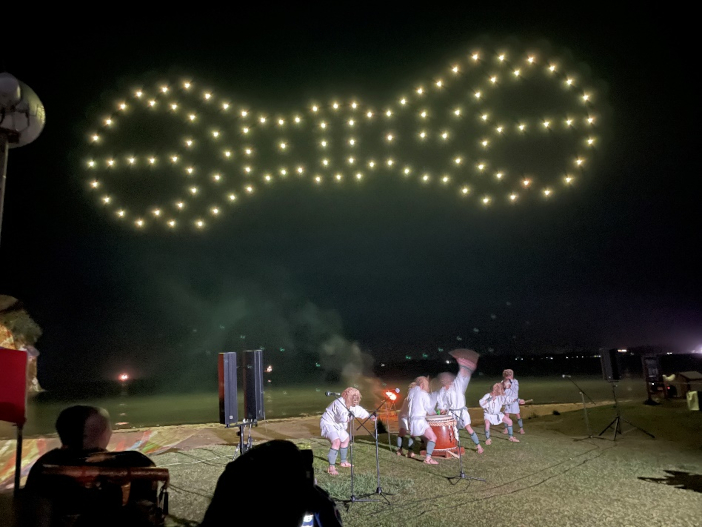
(328, 394)
(564, 376)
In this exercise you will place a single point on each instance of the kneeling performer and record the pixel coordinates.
(492, 404)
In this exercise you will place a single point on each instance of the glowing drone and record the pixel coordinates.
(494, 127)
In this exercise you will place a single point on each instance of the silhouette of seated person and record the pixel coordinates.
(275, 482)
(60, 500)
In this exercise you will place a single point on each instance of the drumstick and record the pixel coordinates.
(529, 401)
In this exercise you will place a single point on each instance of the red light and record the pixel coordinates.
(123, 377)
(391, 395)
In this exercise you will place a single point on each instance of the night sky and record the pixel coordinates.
(395, 268)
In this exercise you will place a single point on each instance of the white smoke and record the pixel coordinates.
(265, 311)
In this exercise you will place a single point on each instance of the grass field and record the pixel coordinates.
(555, 475)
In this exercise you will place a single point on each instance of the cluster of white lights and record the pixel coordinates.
(228, 149)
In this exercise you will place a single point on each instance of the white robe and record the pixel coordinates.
(513, 391)
(419, 407)
(403, 415)
(335, 419)
(492, 407)
(433, 398)
(455, 399)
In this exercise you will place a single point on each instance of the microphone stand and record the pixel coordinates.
(461, 474)
(387, 419)
(379, 489)
(353, 498)
(582, 398)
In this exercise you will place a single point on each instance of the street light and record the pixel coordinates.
(22, 119)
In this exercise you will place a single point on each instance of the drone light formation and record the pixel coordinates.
(471, 129)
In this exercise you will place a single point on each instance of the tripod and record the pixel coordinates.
(616, 422)
(461, 474)
(244, 445)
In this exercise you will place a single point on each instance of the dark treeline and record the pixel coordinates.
(630, 365)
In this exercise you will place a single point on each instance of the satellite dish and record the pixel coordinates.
(22, 114)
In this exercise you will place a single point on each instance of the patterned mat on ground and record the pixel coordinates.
(148, 442)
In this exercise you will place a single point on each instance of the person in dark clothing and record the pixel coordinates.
(85, 432)
(276, 480)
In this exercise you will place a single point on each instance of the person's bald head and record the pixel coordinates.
(84, 427)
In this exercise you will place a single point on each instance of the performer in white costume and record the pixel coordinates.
(452, 398)
(419, 407)
(434, 393)
(403, 422)
(334, 425)
(492, 404)
(512, 390)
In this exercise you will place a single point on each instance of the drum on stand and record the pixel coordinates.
(444, 426)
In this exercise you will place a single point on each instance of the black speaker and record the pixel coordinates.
(651, 368)
(228, 403)
(253, 385)
(611, 369)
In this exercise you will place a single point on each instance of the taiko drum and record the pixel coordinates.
(444, 426)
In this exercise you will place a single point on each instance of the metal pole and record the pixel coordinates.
(378, 490)
(4, 149)
(461, 474)
(351, 444)
(18, 461)
(618, 428)
(587, 423)
(387, 418)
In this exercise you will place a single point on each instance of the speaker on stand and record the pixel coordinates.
(611, 371)
(253, 385)
(252, 373)
(228, 403)
(611, 367)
